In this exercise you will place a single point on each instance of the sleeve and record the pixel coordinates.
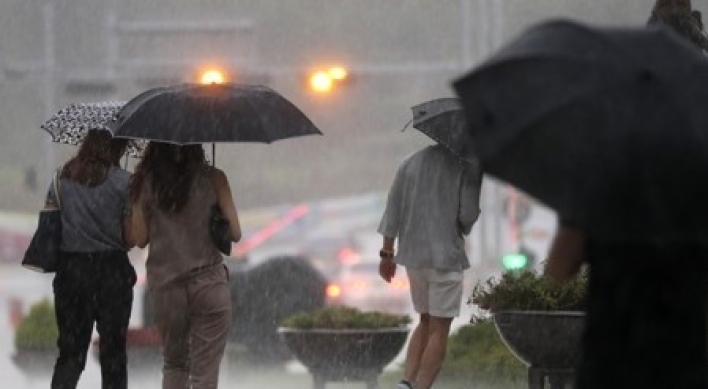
(390, 221)
(470, 190)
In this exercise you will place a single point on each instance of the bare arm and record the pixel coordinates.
(135, 227)
(226, 203)
(567, 253)
(387, 268)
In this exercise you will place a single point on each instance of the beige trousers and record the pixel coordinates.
(193, 317)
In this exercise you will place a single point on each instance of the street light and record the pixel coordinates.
(212, 76)
(324, 81)
(338, 73)
(321, 82)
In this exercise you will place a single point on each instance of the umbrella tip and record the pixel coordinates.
(406, 126)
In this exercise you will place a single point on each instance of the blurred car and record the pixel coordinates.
(359, 285)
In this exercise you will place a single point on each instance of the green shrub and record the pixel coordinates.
(528, 290)
(476, 353)
(38, 329)
(345, 317)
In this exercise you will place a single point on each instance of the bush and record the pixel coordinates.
(529, 291)
(342, 317)
(265, 295)
(38, 329)
(476, 353)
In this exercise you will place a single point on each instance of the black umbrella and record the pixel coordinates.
(443, 120)
(71, 123)
(193, 114)
(609, 127)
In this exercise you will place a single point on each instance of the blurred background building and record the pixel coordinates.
(395, 53)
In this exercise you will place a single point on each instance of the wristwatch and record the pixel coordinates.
(386, 254)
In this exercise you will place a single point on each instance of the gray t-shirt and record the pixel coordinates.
(92, 217)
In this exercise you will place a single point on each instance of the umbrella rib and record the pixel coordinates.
(260, 120)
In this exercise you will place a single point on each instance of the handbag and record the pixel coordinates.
(219, 227)
(42, 254)
(219, 230)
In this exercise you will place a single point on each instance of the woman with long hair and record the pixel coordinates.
(94, 279)
(172, 194)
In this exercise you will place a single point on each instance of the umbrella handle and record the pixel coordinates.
(213, 154)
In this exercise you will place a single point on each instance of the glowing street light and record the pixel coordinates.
(321, 82)
(212, 76)
(338, 73)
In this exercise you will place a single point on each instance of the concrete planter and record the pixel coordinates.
(345, 354)
(548, 342)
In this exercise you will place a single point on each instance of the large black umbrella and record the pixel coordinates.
(443, 120)
(607, 126)
(193, 114)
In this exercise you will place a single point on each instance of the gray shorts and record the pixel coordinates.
(436, 292)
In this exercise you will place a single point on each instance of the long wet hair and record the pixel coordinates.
(97, 154)
(172, 169)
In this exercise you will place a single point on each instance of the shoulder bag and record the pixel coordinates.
(42, 254)
(219, 228)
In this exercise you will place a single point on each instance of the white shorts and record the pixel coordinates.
(436, 292)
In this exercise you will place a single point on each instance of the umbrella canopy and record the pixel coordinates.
(443, 120)
(606, 126)
(71, 124)
(194, 114)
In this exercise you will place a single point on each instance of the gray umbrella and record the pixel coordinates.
(606, 126)
(443, 120)
(71, 124)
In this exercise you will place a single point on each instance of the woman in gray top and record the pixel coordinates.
(172, 193)
(94, 279)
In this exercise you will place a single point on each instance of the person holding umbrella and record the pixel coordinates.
(172, 192)
(94, 278)
(611, 134)
(432, 204)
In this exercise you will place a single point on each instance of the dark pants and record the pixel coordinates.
(646, 318)
(92, 287)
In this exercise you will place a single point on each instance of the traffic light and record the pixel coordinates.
(523, 259)
(514, 261)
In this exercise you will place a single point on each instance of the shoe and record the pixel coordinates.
(403, 384)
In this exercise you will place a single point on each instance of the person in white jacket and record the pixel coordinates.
(432, 205)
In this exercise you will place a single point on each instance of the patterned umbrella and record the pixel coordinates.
(71, 124)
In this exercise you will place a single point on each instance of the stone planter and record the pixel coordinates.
(548, 342)
(36, 363)
(345, 354)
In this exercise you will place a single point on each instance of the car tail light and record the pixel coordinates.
(399, 284)
(333, 291)
(359, 284)
(348, 256)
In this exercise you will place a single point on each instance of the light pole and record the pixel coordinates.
(488, 19)
(49, 60)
